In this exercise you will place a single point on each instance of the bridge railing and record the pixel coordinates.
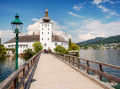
(21, 78)
(76, 62)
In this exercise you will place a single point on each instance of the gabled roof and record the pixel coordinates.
(33, 38)
(57, 38)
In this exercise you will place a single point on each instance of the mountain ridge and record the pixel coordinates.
(102, 40)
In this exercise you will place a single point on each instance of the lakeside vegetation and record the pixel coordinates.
(71, 49)
(28, 53)
(112, 42)
(3, 50)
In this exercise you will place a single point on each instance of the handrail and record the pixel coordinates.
(18, 78)
(71, 59)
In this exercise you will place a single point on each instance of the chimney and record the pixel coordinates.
(33, 33)
(65, 37)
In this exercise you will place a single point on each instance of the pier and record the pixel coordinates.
(59, 71)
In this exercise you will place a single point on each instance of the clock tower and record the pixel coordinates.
(46, 31)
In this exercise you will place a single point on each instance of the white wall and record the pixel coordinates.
(21, 46)
(64, 44)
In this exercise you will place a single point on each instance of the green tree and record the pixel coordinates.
(37, 46)
(2, 50)
(13, 50)
(69, 43)
(28, 53)
(60, 49)
(74, 47)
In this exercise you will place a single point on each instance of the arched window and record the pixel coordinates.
(42, 32)
(48, 32)
(48, 38)
(42, 28)
(42, 38)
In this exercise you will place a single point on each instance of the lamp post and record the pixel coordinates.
(16, 27)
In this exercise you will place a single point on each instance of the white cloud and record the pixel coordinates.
(107, 17)
(72, 23)
(34, 19)
(87, 36)
(103, 8)
(97, 2)
(6, 35)
(71, 13)
(36, 27)
(95, 28)
(79, 6)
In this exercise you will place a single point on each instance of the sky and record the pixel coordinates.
(80, 19)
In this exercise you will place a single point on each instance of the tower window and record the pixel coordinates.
(55, 44)
(45, 44)
(45, 25)
(48, 38)
(48, 32)
(42, 32)
(42, 38)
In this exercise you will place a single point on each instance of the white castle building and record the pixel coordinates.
(46, 37)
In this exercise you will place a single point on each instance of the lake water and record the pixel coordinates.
(7, 66)
(105, 56)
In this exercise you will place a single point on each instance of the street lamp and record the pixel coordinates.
(16, 27)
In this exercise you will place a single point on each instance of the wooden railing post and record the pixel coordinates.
(15, 83)
(69, 60)
(73, 61)
(100, 69)
(23, 76)
(79, 63)
(88, 66)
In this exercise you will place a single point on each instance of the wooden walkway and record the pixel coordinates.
(52, 73)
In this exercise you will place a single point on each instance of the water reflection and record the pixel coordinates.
(106, 56)
(7, 66)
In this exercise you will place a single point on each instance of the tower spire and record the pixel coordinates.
(46, 18)
(46, 12)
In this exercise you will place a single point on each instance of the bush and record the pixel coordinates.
(74, 47)
(60, 49)
(37, 46)
(28, 53)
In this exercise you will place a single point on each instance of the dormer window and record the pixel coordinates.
(45, 25)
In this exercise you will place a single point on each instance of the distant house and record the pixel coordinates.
(46, 37)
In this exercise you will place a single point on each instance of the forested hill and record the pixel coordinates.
(101, 40)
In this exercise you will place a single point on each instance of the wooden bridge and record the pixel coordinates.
(59, 71)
